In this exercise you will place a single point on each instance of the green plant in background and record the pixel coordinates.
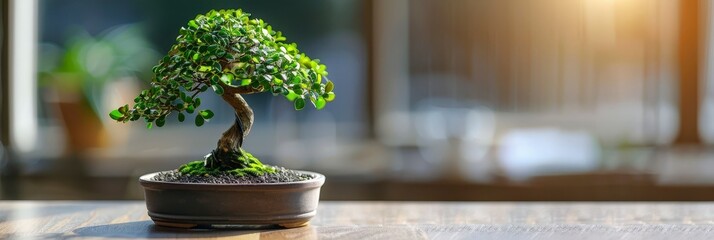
(85, 64)
(228, 53)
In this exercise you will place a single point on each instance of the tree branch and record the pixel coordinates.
(240, 89)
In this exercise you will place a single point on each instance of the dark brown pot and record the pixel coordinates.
(190, 205)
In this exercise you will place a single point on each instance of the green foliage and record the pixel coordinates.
(250, 165)
(197, 168)
(222, 49)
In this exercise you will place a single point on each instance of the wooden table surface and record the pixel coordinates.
(380, 220)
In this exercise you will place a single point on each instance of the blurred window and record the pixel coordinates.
(605, 66)
(483, 87)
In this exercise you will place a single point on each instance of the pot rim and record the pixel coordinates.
(315, 182)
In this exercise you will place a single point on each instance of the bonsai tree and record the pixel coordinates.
(230, 54)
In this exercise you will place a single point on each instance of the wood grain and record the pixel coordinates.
(379, 220)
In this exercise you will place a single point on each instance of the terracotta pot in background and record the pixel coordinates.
(83, 128)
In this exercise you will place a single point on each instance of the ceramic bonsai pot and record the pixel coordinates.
(189, 205)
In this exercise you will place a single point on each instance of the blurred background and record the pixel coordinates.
(436, 99)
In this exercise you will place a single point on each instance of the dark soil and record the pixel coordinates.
(280, 175)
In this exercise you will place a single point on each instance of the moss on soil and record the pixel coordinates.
(250, 165)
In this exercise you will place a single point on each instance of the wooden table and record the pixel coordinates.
(380, 220)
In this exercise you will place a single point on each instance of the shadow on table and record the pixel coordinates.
(147, 229)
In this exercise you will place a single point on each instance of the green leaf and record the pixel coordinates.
(160, 122)
(204, 68)
(124, 109)
(266, 86)
(116, 115)
(255, 84)
(193, 24)
(245, 82)
(181, 117)
(291, 95)
(321, 69)
(319, 103)
(329, 86)
(265, 78)
(330, 97)
(217, 66)
(190, 109)
(227, 78)
(149, 125)
(316, 87)
(196, 102)
(299, 103)
(218, 89)
(297, 89)
(199, 120)
(207, 114)
(187, 99)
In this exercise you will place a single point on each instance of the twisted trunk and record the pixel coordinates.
(226, 155)
(232, 139)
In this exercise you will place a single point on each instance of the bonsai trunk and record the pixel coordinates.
(232, 139)
(227, 153)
